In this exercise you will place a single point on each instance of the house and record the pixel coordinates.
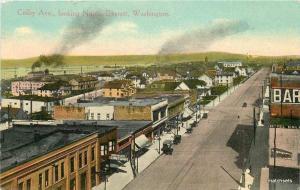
(27, 105)
(241, 71)
(207, 79)
(118, 89)
(190, 84)
(224, 78)
(8, 113)
(164, 85)
(293, 66)
(84, 83)
(25, 87)
(105, 77)
(56, 89)
(166, 75)
(63, 156)
(231, 63)
(38, 74)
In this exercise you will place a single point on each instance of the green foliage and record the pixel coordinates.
(238, 80)
(218, 90)
(42, 115)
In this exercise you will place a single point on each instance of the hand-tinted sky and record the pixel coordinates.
(274, 27)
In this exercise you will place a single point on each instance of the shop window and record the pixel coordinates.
(62, 170)
(93, 154)
(40, 181)
(85, 157)
(73, 184)
(83, 181)
(111, 146)
(28, 184)
(46, 178)
(56, 173)
(93, 176)
(72, 164)
(20, 186)
(80, 160)
(104, 149)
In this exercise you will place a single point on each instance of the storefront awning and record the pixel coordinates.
(141, 142)
(187, 113)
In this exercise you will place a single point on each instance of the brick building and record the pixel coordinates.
(285, 95)
(62, 157)
(68, 113)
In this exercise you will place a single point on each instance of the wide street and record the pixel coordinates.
(213, 156)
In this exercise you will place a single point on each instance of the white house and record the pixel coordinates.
(207, 79)
(98, 111)
(182, 86)
(241, 71)
(37, 106)
(231, 64)
(224, 78)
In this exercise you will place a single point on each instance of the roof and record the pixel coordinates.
(193, 83)
(23, 143)
(15, 113)
(122, 102)
(55, 86)
(224, 74)
(231, 62)
(293, 64)
(84, 79)
(125, 128)
(116, 84)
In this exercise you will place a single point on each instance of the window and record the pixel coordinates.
(93, 176)
(56, 173)
(83, 181)
(93, 154)
(117, 93)
(72, 166)
(111, 146)
(85, 157)
(20, 186)
(80, 160)
(46, 178)
(40, 181)
(62, 170)
(98, 116)
(92, 116)
(73, 184)
(28, 184)
(107, 116)
(103, 149)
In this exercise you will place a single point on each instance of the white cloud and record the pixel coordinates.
(23, 30)
(124, 27)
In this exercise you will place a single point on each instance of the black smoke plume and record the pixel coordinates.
(48, 61)
(82, 29)
(200, 39)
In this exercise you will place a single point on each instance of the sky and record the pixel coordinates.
(33, 28)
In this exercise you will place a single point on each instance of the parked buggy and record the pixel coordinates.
(177, 139)
(167, 147)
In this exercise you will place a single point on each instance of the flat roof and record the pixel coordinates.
(23, 143)
(131, 102)
(124, 127)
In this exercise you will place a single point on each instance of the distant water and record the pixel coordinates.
(8, 73)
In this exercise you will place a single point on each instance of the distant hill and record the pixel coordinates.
(150, 59)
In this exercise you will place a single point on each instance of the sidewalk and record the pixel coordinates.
(118, 181)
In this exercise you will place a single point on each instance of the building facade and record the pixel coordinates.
(118, 89)
(26, 87)
(72, 164)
